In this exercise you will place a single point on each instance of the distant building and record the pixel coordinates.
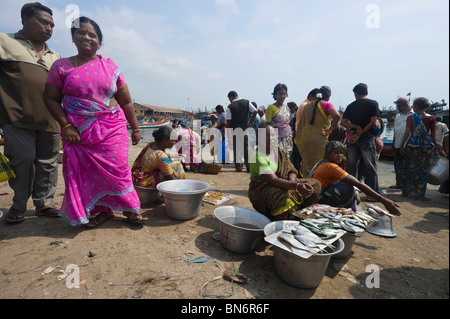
(152, 111)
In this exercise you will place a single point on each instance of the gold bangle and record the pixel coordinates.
(68, 125)
(136, 130)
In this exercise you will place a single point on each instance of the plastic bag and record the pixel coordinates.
(6, 172)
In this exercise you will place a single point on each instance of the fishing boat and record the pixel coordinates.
(387, 137)
(437, 109)
(388, 147)
(389, 114)
(150, 125)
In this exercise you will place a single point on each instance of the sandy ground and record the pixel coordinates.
(122, 261)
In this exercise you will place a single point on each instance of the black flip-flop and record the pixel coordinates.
(14, 220)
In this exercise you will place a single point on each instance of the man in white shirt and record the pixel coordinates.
(399, 130)
(441, 130)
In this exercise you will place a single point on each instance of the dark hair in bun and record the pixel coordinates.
(162, 133)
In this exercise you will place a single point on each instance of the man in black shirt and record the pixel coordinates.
(237, 118)
(359, 118)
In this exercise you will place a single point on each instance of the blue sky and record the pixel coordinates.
(191, 53)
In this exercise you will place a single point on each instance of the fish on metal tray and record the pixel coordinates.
(323, 233)
(351, 227)
(314, 229)
(379, 210)
(303, 234)
(329, 233)
(301, 230)
(309, 224)
(304, 239)
(348, 228)
(361, 220)
(365, 218)
(355, 223)
(289, 241)
(333, 217)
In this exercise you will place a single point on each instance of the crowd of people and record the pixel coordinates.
(84, 101)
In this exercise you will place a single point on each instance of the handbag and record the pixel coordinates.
(6, 172)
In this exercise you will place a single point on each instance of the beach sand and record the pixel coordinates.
(118, 260)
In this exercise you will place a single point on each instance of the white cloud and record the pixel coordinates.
(229, 4)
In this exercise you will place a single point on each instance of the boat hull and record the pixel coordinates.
(388, 148)
(154, 125)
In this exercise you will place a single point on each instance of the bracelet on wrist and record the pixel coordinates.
(136, 130)
(67, 126)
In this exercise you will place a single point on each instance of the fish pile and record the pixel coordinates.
(300, 237)
(322, 208)
(324, 223)
(313, 235)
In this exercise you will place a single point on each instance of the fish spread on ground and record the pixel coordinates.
(313, 235)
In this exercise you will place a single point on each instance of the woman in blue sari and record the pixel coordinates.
(420, 139)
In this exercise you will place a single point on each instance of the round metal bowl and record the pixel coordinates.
(300, 272)
(439, 171)
(147, 196)
(240, 228)
(183, 197)
(348, 239)
(382, 227)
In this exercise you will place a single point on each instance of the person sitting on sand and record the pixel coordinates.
(338, 186)
(274, 189)
(153, 165)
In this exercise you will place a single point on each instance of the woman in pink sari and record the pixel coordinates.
(94, 131)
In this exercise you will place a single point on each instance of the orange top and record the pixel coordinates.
(329, 173)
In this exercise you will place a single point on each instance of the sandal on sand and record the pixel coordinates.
(14, 216)
(99, 219)
(133, 218)
(47, 211)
